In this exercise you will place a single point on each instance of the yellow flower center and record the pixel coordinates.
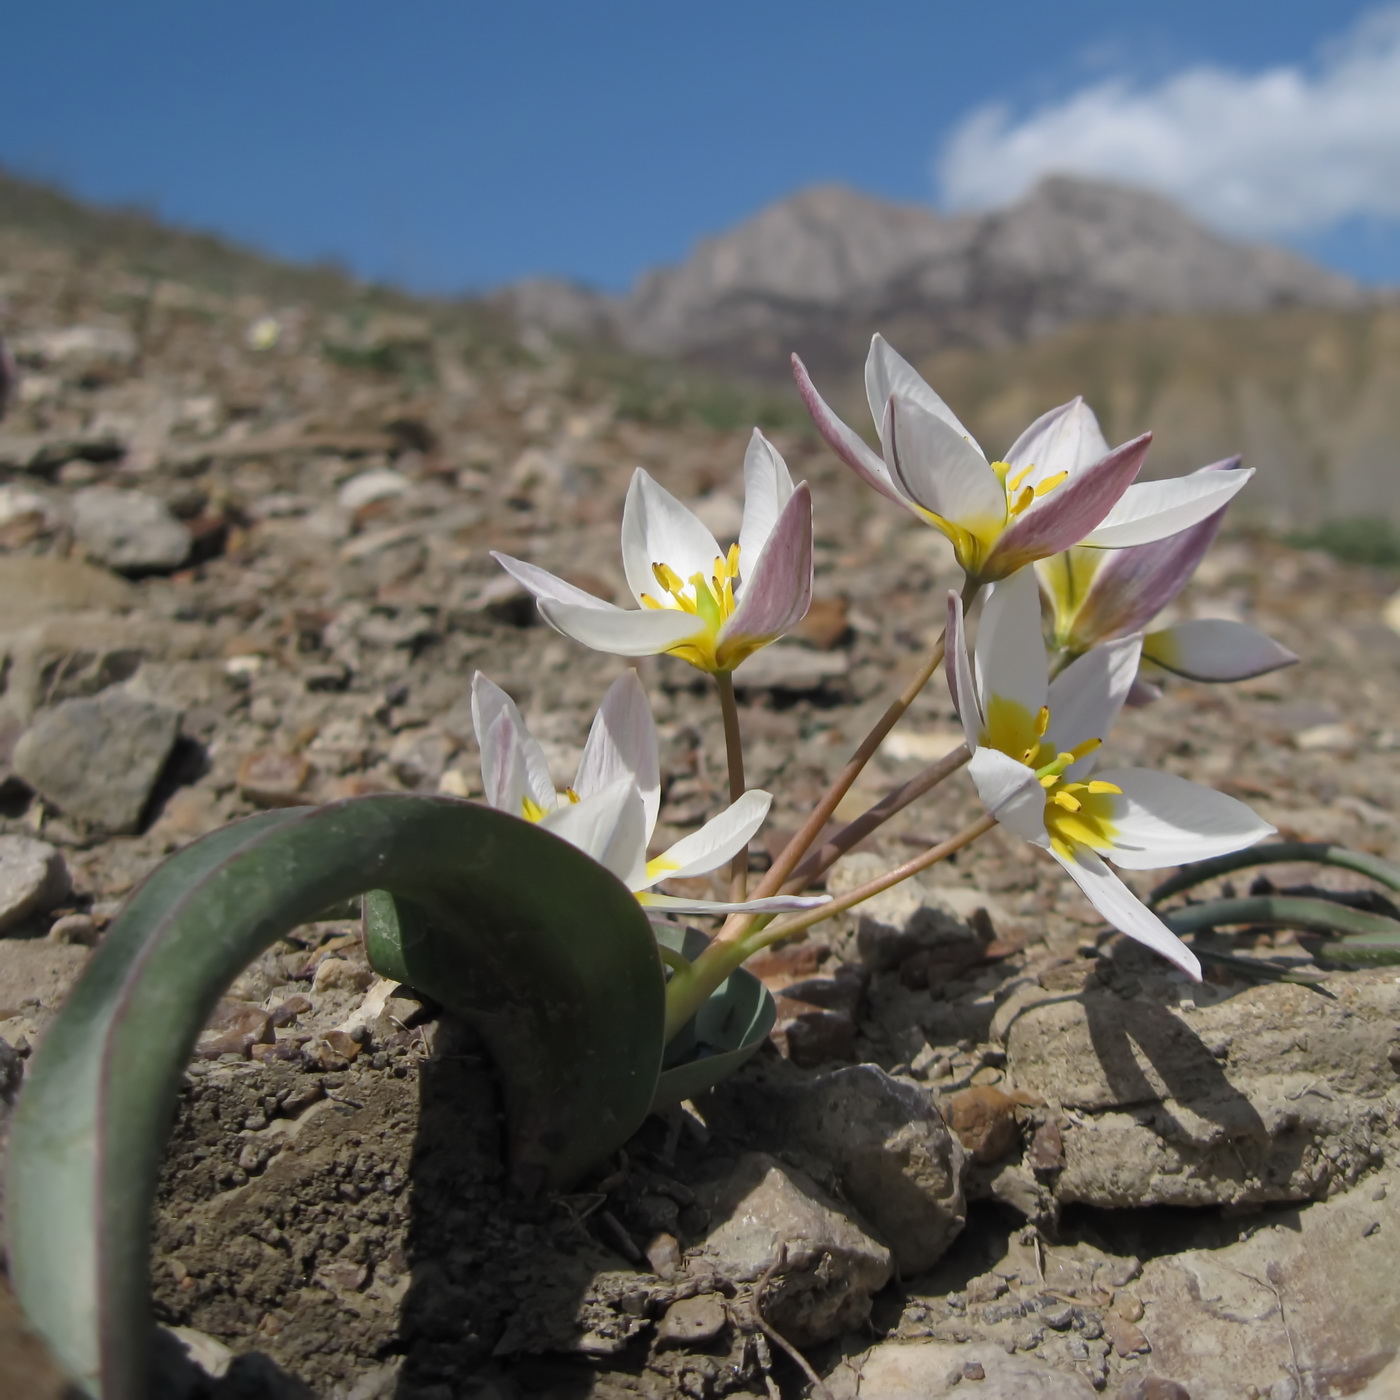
(973, 539)
(1076, 813)
(711, 602)
(533, 812)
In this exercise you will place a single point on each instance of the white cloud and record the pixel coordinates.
(1291, 150)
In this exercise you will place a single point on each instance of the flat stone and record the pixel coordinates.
(831, 1270)
(34, 970)
(33, 878)
(129, 531)
(930, 1370)
(33, 587)
(692, 1321)
(1195, 1098)
(790, 667)
(880, 1140)
(98, 759)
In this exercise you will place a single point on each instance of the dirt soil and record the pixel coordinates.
(334, 1216)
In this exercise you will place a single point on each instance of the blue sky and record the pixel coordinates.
(454, 145)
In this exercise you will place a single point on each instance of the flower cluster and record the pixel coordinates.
(1059, 538)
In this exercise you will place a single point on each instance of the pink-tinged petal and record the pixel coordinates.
(1160, 820)
(513, 765)
(1215, 649)
(778, 592)
(1011, 793)
(1010, 650)
(721, 838)
(1122, 908)
(646, 632)
(1131, 586)
(961, 682)
(889, 375)
(1142, 693)
(1086, 697)
(658, 529)
(1153, 510)
(546, 587)
(767, 489)
(848, 445)
(609, 826)
(942, 471)
(777, 904)
(622, 745)
(1062, 517)
(1067, 439)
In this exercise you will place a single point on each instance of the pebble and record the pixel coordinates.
(272, 779)
(98, 758)
(81, 929)
(984, 1119)
(33, 878)
(129, 531)
(1153, 1388)
(692, 1321)
(341, 973)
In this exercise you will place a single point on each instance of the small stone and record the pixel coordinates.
(341, 973)
(985, 1288)
(81, 929)
(371, 486)
(785, 666)
(692, 1321)
(98, 758)
(234, 1029)
(1118, 1273)
(1153, 1388)
(984, 1119)
(827, 623)
(335, 1050)
(1059, 1316)
(1047, 1150)
(1125, 1338)
(272, 779)
(286, 1012)
(1128, 1307)
(813, 1035)
(974, 1371)
(664, 1255)
(33, 878)
(129, 531)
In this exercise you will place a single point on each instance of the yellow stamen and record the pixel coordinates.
(1066, 800)
(1050, 483)
(531, 810)
(1098, 786)
(1042, 721)
(1014, 483)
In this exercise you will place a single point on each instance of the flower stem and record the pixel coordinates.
(734, 752)
(826, 855)
(689, 988)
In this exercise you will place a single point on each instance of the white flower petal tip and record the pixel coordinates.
(1155, 510)
(777, 594)
(1215, 649)
(1122, 908)
(621, 632)
(848, 445)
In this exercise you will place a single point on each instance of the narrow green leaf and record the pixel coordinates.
(555, 952)
(1282, 911)
(1318, 852)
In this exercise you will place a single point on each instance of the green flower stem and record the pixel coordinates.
(1318, 852)
(1366, 931)
(734, 752)
(826, 855)
(690, 989)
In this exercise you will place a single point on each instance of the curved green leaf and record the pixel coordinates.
(1317, 852)
(1371, 938)
(726, 1030)
(554, 951)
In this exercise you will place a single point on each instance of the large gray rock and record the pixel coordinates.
(879, 1141)
(1193, 1097)
(98, 759)
(128, 530)
(831, 1270)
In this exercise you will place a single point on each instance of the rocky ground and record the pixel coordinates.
(990, 1148)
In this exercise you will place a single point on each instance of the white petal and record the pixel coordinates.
(942, 471)
(1163, 820)
(778, 904)
(767, 488)
(1215, 649)
(513, 765)
(1010, 649)
(889, 373)
(643, 632)
(842, 440)
(1122, 908)
(658, 529)
(961, 682)
(1152, 510)
(622, 745)
(1087, 695)
(720, 838)
(609, 826)
(777, 589)
(1011, 793)
(1067, 439)
(546, 586)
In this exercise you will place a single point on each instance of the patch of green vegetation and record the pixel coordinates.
(1360, 540)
